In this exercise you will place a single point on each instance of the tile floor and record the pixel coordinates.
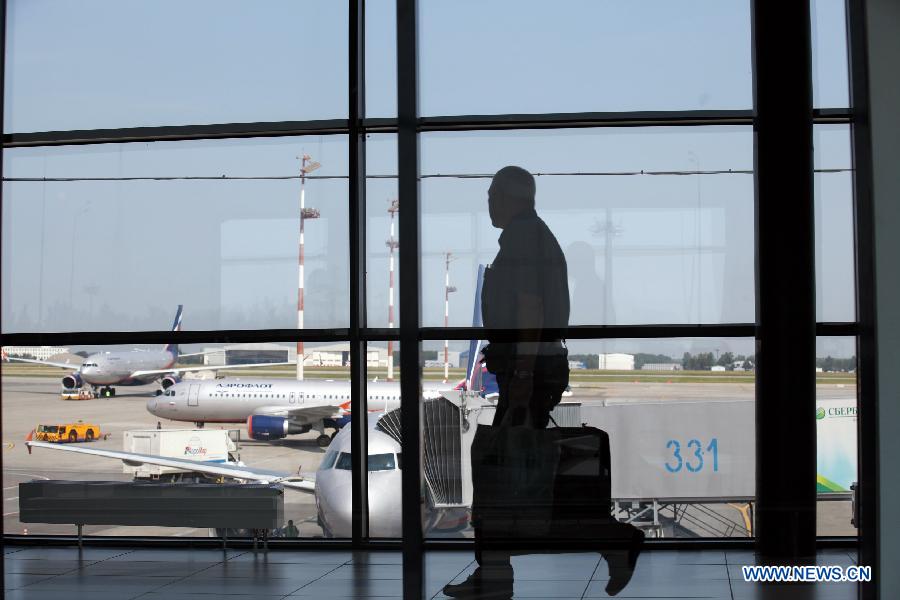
(35, 573)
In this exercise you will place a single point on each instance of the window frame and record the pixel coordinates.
(407, 126)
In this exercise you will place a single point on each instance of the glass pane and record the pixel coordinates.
(121, 254)
(679, 414)
(102, 63)
(236, 391)
(656, 224)
(831, 85)
(836, 434)
(381, 58)
(835, 269)
(584, 56)
(382, 231)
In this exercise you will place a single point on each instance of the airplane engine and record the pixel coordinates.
(264, 428)
(169, 380)
(72, 381)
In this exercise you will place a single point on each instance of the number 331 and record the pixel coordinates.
(694, 459)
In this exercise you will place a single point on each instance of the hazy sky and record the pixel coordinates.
(121, 255)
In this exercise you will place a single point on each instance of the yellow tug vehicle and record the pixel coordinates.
(70, 433)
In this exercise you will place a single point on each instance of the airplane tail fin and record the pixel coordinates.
(176, 326)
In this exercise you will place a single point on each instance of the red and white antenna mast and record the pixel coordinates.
(307, 165)
(448, 289)
(392, 245)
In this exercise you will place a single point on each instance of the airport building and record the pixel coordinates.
(616, 362)
(662, 180)
(329, 355)
(39, 352)
(661, 367)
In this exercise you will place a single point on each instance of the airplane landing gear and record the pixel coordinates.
(323, 440)
(107, 392)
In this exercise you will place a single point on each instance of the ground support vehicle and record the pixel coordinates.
(69, 432)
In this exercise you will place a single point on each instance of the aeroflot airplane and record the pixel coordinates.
(132, 367)
(274, 408)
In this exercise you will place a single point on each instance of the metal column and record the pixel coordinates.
(785, 281)
(357, 193)
(410, 301)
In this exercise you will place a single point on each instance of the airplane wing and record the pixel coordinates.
(206, 368)
(44, 362)
(222, 469)
(301, 414)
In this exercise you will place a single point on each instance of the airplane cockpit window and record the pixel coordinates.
(344, 462)
(381, 462)
(329, 460)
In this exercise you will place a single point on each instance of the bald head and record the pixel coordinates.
(511, 193)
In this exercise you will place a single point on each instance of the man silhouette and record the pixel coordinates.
(526, 290)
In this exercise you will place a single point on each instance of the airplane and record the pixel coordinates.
(274, 408)
(133, 367)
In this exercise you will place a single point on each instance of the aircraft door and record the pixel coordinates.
(194, 395)
(293, 397)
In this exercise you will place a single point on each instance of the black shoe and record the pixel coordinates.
(494, 583)
(622, 563)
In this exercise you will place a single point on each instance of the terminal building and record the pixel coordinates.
(328, 355)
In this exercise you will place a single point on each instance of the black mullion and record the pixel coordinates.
(587, 332)
(173, 133)
(785, 276)
(357, 172)
(849, 329)
(376, 334)
(868, 462)
(410, 301)
(216, 131)
(5, 242)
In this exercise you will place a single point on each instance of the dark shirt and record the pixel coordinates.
(529, 261)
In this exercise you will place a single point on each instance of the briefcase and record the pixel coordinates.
(513, 476)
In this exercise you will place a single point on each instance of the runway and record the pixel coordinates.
(29, 401)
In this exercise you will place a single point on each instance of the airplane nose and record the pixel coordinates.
(151, 406)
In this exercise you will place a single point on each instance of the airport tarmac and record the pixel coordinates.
(29, 401)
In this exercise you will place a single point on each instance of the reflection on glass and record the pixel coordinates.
(656, 225)
(103, 64)
(120, 255)
(521, 57)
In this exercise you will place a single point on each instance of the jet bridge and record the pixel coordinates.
(448, 431)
